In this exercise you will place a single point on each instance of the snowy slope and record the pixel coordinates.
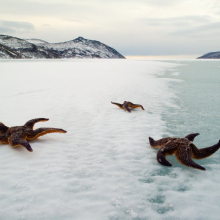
(14, 42)
(82, 48)
(8, 53)
(24, 48)
(36, 41)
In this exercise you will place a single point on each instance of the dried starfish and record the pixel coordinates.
(126, 105)
(20, 135)
(184, 150)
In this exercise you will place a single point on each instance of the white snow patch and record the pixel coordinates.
(103, 167)
(36, 41)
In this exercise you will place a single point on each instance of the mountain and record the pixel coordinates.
(82, 48)
(211, 55)
(8, 53)
(16, 48)
(25, 49)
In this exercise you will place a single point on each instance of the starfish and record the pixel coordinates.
(20, 135)
(184, 150)
(127, 104)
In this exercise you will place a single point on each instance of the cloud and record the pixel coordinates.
(200, 30)
(157, 3)
(131, 26)
(76, 20)
(15, 26)
(162, 3)
(177, 21)
(46, 25)
(47, 8)
(185, 26)
(5, 30)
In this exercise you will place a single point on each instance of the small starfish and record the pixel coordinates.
(184, 150)
(20, 135)
(126, 105)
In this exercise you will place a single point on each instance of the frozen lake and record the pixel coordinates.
(103, 167)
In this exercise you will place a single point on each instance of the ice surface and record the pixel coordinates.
(103, 167)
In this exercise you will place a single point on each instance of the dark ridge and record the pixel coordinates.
(211, 55)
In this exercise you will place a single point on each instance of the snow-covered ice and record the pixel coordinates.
(103, 167)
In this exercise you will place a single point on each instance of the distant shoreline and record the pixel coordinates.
(163, 57)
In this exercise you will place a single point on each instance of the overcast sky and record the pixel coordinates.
(133, 27)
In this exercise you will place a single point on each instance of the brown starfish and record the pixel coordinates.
(126, 105)
(20, 135)
(184, 150)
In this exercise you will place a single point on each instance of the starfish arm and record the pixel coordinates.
(159, 143)
(126, 108)
(184, 156)
(17, 140)
(131, 105)
(119, 105)
(3, 128)
(167, 149)
(191, 137)
(4, 139)
(162, 159)
(33, 134)
(31, 123)
(204, 152)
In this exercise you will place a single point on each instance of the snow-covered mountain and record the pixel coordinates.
(8, 53)
(82, 48)
(24, 48)
(211, 55)
(16, 48)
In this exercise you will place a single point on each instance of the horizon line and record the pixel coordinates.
(163, 57)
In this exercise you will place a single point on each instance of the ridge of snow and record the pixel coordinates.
(36, 41)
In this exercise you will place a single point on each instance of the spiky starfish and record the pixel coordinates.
(126, 105)
(184, 150)
(20, 135)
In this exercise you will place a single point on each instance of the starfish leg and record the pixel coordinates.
(30, 123)
(159, 143)
(167, 149)
(17, 140)
(4, 139)
(204, 152)
(191, 137)
(3, 128)
(33, 134)
(119, 105)
(131, 105)
(184, 156)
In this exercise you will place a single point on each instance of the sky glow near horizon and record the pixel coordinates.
(133, 27)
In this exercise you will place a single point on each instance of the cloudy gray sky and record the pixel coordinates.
(174, 28)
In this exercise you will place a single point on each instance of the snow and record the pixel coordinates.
(14, 43)
(4, 55)
(82, 48)
(36, 41)
(103, 167)
(39, 49)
